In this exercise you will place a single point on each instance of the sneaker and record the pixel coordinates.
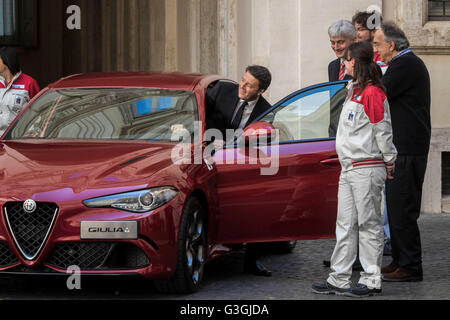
(326, 288)
(361, 291)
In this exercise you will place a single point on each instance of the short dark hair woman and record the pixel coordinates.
(367, 155)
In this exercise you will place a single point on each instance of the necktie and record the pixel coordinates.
(342, 72)
(237, 119)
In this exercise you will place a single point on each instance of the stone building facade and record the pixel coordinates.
(224, 36)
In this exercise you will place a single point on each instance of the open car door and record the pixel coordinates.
(292, 196)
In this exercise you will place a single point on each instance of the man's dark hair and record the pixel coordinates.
(262, 74)
(363, 17)
(10, 58)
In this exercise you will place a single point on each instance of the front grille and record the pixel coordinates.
(30, 230)
(97, 256)
(7, 258)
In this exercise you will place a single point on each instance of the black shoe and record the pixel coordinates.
(326, 288)
(356, 266)
(361, 291)
(257, 269)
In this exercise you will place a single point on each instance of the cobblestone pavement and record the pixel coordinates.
(293, 275)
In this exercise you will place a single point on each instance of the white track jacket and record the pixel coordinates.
(364, 135)
(14, 96)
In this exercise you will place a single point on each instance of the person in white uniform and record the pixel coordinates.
(16, 88)
(365, 148)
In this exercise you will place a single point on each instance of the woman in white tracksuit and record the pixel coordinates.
(367, 155)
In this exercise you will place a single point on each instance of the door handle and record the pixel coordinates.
(331, 161)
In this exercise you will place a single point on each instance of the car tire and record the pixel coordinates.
(191, 254)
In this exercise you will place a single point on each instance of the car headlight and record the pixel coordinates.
(135, 201)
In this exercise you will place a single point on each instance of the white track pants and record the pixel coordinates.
(359, 222)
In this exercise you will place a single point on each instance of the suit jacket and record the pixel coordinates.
(333, 71)
(221, 101)
(407, 84)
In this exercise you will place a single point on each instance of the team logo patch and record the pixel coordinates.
(18, 86)
(29, 206)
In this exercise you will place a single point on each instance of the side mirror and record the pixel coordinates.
(259, 131)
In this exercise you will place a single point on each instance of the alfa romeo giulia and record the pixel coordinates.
(90, 177)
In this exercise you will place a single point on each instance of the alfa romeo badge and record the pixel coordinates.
(29, 206)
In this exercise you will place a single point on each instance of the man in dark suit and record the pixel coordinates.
(342, 34)
(235, 106)
(407, 84)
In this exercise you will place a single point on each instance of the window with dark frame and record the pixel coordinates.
(439, 10)
(18, 23)
(9, 26)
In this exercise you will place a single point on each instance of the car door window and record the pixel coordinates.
(309, 115)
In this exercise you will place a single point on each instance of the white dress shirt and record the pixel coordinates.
(247, 111)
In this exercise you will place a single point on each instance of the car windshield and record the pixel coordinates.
(107, 113)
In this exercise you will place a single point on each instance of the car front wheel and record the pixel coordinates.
(191, 251)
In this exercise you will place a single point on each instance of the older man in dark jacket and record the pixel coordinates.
(408, 91)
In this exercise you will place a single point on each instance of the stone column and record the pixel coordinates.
(227, 38)
(171, 56)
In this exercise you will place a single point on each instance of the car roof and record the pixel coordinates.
(158, 80)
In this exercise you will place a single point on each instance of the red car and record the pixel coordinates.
(88, 178)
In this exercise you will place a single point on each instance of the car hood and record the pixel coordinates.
(79, 169)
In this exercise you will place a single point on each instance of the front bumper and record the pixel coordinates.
(152, 254)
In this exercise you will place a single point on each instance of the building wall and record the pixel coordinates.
(45, 62)
(288, 36)
(224, 36)
(115, 35)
